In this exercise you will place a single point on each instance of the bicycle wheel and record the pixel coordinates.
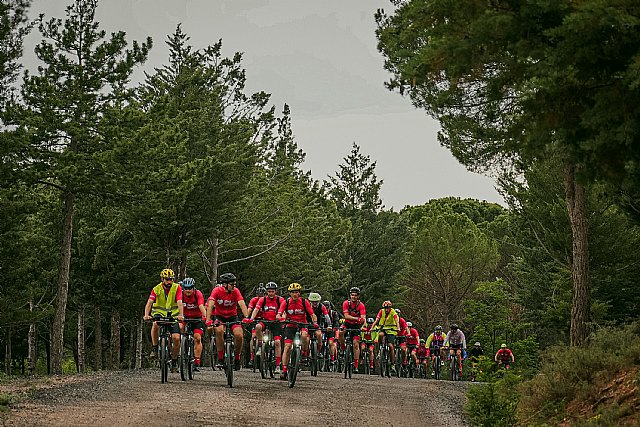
(192, 360)
(294, 364)
(314, 359)
(348, 355)
(229, 363)
(383, 359)
(163, 359)
(263, 360)
(438, 363)
(213, 353)
(184, 358)
(255, 350)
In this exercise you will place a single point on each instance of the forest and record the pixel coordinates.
(104, 183)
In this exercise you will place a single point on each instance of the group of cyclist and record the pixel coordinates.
(284, 317)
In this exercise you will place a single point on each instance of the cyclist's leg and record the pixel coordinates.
(155, 334)
(197, 345)
(238, 340)
(220, 343)
(319, 338)
(304, 333)
(356, 349)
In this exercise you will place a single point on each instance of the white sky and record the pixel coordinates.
(319, 57)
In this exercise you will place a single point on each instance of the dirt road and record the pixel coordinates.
(134, 398)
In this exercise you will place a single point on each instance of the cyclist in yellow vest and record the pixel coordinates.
(165, 300)
(389, 324)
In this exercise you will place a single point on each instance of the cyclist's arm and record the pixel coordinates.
(147, 307)
(397, 320)
(513, 358)
(208, 311)
(243, 307)
(497, 355)
(446, 339)
(464, 340)
(429, 339)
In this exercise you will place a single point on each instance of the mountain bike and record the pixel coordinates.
(348, 352)
(325, 354)
(295, 355)
(164, 344)
(314, 353)
(455, 367)
(413, 368)
(187, 354)
(266, 359)
(384, 353)
(229, 348)
(213, 352)
(421, 370)
(365, 358)
(436, 362)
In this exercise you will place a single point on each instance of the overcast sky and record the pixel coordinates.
(319, 57)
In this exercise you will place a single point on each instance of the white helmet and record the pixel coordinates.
(315, 297)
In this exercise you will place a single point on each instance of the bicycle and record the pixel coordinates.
(187, 350)
(422, 371)
(436, 362)
(325, 356)
(213, 353)
(229, 349)
(348, 353)
(384, 353)
(164, 344)
(365, 359)
(314, 353)
(295, 355)
(413, 368)
(265, 359)
(455, 367)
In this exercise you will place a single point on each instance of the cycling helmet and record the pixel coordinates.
(188, 283)
(409, 325)
(261, 290)
(354, 290)
(227, 278)
(439, 328)
(314, 297)
(454, 327)
(327, 304)
(370, 320)
(477, 343)
(503, 345)
(422, 341)
(294, 287)
(271, 285)
(341, 321)
(386, 304)
(398, 311)
(167, 273)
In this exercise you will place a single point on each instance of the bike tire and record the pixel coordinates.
(162, 357)
(184, 359)
(294, 365)
(383, 360)
(229, 363)
(264, 360)
(213, 352)
(438, 362)
(347, 361)
(314, 359)
(255, 345)
(192, 360)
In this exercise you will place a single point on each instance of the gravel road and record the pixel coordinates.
(133, 398)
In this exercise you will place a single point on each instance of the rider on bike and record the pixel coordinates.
(193, 302)
(504, 357)
(369, 339)
(413, 339)
(474, 357)
(422, 354)
(226, 300)
(295, 309)
(389, 327)
(435, 343)
(402, 337)
(267, 309)
(334, 316)
(354, 316)
(260, 292)
(322, 314)
(165, 300)
(456, 341)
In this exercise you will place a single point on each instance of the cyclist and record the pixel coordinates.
(413, 339)
(422, 354)
(354, 316)
(435, 343)
(226, 299)
(295, 309)
(165, 299)
(456, 342)
(267, 308)
(369, 339)
(389, 326)
(322, 314)
(260, 292)
(474, 357)
(193, 302)
(334, 316)
(504, 357)
(402, 337)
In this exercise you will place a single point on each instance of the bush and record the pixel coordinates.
(494, 404)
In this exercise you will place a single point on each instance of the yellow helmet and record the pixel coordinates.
(294, 287)
(167, 273)
(341, 321)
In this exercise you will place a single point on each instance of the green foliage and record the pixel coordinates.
(493, 404)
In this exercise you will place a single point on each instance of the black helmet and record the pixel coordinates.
(261, 290)
(227, 278)
(354, 290)
(327, 304)
(454, 326)
(272, 285)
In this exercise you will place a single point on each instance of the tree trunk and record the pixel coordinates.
(115, 339)
(140, 329)
(213, 264)
(98, 339)
(82, 351)
(131, 360)
(32, 352)
(57, 330)
(7, 353)
(581, 306)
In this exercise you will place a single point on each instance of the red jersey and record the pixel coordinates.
(355, 310)
(253, 303)
(225, 303)
(421, 351)
(269, 307)
(152, 297)
(192, 305)
(403, 327)
(296, 310)
(366, 333)
(504, 354)
(413, 338)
